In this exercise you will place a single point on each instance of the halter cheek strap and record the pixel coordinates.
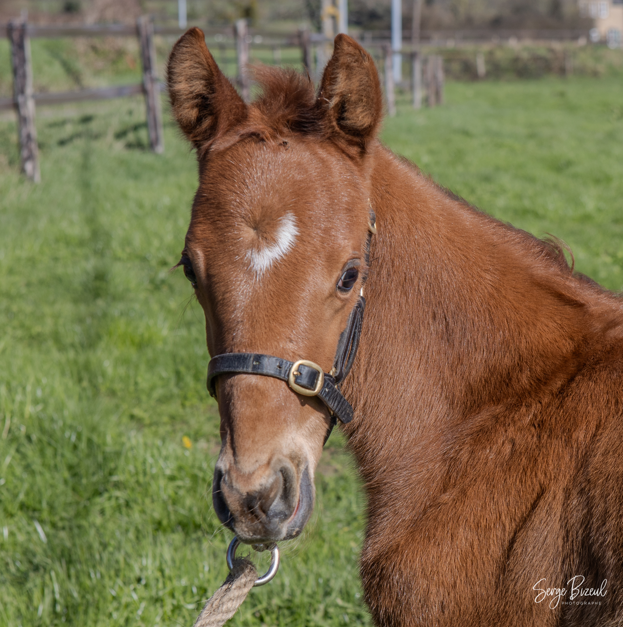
(305, 377)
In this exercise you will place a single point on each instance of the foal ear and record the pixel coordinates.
(205, 104)
(350, 92)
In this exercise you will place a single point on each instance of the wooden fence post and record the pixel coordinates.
(322, 58)
(389, 80)
(431, 99)
(439, 79)
(416, 79)
(241, 31)
(151, 88)
(328, 17)
(306, 51)
(481, 68)
(24, 101)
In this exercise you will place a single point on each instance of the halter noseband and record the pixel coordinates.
(303, 376)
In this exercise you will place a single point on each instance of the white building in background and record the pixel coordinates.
(607, 16)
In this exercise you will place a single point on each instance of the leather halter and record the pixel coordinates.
(305, 377)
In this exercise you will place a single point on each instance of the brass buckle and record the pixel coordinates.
(294, 372)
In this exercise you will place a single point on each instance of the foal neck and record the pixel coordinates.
(467, 319)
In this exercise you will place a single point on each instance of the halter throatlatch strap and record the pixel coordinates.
(304, 377)
(349, 342)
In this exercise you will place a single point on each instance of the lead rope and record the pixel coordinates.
(230, 596)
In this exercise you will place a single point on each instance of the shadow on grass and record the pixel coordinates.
(64, 141)
(135, 137)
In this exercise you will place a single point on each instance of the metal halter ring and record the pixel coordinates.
(272, 569)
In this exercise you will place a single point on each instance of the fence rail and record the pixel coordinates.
(35, 31)
(482, 35)
(67, 97)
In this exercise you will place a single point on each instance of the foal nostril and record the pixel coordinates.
(284, 503)
(218, 500)
(275, 502)
(269, 496)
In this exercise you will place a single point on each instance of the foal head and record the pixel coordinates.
(276, 254)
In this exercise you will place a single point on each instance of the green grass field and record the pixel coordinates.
(105, 515)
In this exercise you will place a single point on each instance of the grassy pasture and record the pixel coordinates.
(105, 515)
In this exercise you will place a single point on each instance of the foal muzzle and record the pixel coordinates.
(277, 509)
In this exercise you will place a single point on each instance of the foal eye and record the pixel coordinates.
(348, 280)
(189, 273)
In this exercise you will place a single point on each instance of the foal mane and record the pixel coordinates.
(551, 248)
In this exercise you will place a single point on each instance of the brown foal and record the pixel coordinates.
(487, 390)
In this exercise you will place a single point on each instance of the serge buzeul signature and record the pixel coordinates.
(573, 592)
